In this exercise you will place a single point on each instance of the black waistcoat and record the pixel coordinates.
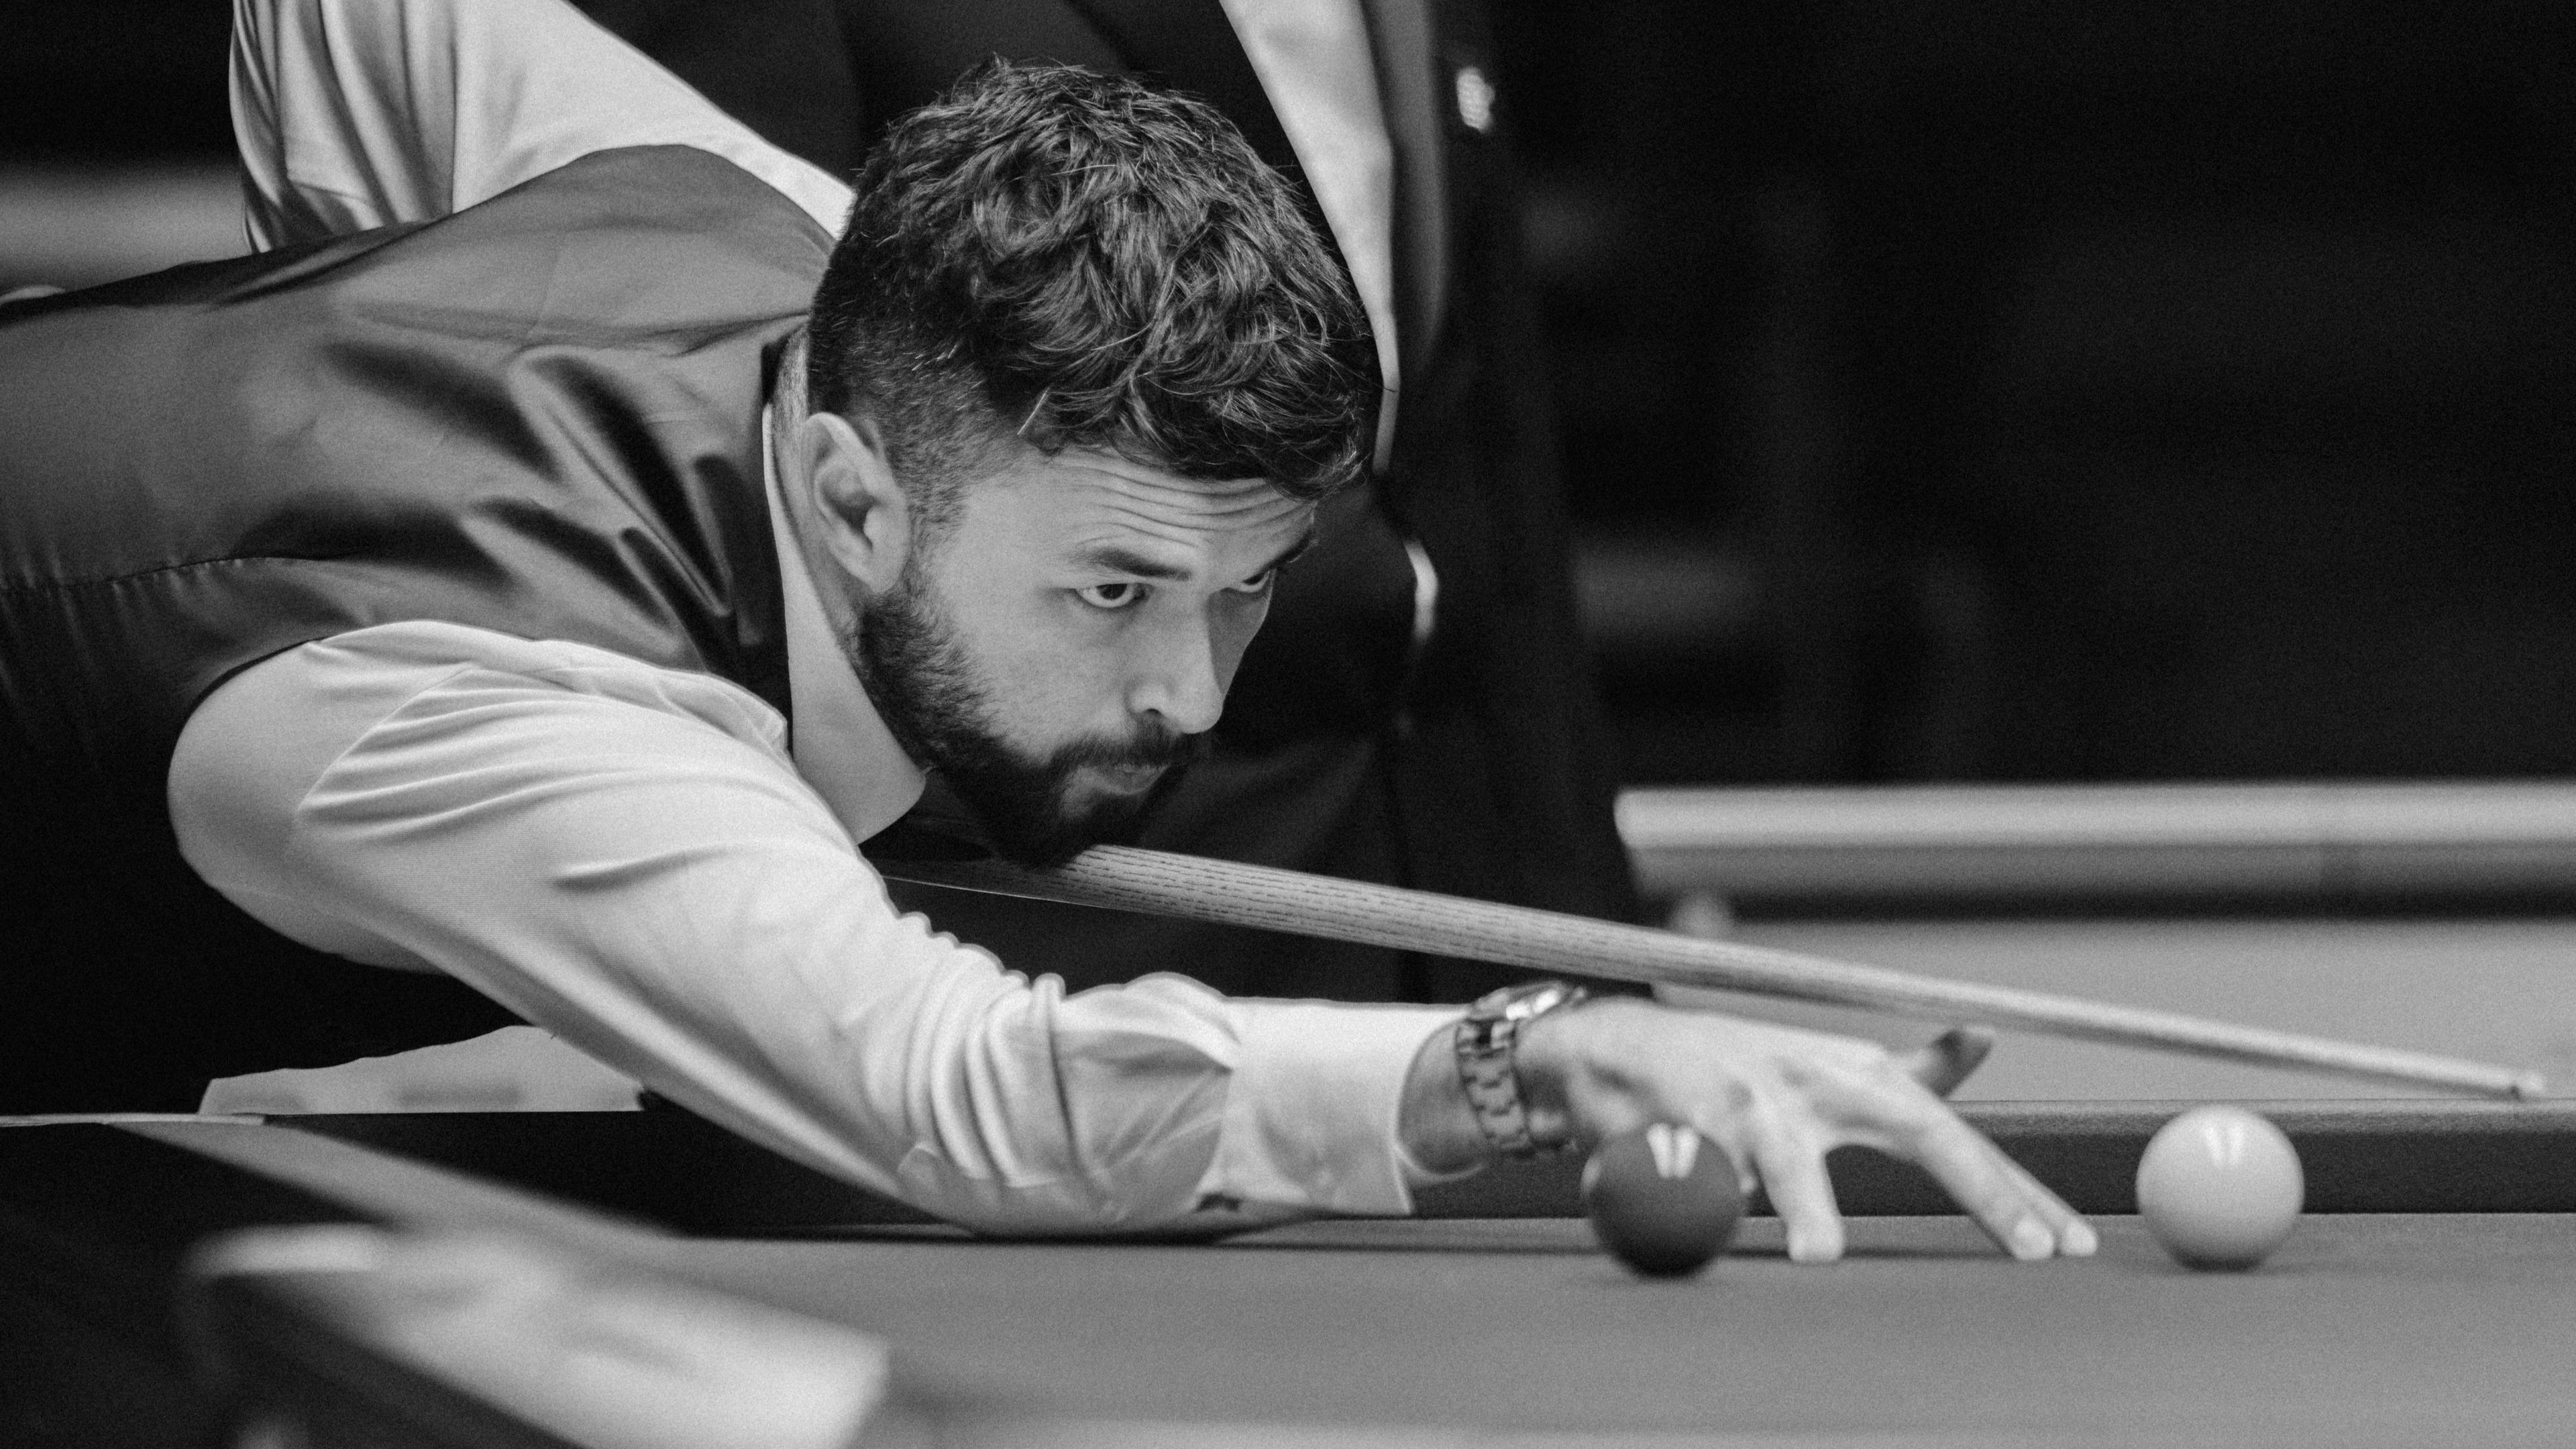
(538, 416)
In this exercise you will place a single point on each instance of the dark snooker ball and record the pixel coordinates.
(1663, 1199)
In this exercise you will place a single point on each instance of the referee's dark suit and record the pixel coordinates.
(1470, 764)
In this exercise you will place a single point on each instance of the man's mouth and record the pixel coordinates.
(1125, 779)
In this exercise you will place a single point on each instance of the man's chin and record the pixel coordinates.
(1076, 825)
(1061, 842)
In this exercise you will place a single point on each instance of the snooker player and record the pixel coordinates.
(555, 562)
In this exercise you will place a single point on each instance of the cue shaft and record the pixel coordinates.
(1229, 893)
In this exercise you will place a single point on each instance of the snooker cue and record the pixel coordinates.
(1229, 893)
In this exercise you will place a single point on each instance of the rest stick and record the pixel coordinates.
(1228, 893)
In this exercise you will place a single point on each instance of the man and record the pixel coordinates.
(435, 601)
(1416, 710)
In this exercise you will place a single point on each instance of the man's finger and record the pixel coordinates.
(2024, 1218)
(2075, 1236)
(1792, 1167)
(1944, 1062)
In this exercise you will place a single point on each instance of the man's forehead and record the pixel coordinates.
(1090, 494)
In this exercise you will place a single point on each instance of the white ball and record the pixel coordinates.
(2220, 1187)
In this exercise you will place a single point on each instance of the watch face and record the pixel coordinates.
(1535, 1000)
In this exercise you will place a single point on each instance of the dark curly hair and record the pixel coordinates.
(1081, 261)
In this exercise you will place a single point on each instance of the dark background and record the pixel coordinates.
(1952, 389)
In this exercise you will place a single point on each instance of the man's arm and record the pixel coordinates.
(351, 114)
(625, 856)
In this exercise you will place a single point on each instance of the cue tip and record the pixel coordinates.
(2530, 1087)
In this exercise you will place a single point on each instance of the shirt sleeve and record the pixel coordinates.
(625, 856)
(351, 114)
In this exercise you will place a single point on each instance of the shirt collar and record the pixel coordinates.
(840, 743)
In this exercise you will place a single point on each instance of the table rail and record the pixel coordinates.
(2283, 842)
(2376, 1156)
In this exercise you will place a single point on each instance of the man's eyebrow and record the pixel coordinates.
(1115, 559)
(1292, 552)
(1119, 559)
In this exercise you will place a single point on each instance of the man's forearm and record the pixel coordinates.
(1436, 1125)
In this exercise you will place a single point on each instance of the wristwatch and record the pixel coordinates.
(1486, 1039)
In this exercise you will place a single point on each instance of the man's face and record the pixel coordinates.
(1069, 637)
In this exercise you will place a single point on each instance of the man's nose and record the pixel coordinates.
(1179, 680)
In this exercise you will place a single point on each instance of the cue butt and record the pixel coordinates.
(1229, 893)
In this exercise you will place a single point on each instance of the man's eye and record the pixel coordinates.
(1259, 583)
(1112, 596)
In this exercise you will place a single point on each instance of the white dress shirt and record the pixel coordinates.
(637, 858)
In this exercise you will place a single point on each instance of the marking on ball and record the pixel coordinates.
(2226, 1141)
(1674, 1150)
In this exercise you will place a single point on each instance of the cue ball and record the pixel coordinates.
(1663, 1199)
(2220, 1187)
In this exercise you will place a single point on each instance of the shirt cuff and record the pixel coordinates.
(1311, 1115)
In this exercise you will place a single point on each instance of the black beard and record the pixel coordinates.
(924, 687)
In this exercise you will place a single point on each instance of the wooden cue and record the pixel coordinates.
(1227, 893)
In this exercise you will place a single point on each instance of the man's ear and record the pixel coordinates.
(858, 505)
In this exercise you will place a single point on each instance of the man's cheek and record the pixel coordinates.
(1043, 703)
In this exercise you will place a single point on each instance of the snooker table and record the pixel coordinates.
(2428, 1299)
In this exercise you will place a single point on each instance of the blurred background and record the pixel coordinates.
(2141, 389)
(1952, 389)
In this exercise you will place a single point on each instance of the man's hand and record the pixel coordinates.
(1776, 1098)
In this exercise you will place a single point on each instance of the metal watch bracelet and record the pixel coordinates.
(1488, 1038)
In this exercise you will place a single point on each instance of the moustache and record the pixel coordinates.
(1154, 747)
